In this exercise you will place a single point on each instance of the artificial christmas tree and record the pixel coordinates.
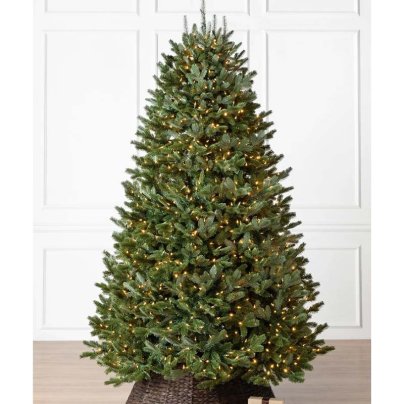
(207, 279)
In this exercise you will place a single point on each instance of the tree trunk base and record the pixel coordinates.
(184, 391)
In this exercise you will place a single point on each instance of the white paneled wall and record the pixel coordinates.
(94, 61)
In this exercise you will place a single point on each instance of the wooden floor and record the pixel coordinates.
(60, 377)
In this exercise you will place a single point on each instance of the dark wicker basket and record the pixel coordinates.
(184, 391)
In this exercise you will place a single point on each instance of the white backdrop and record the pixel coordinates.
(94, 61)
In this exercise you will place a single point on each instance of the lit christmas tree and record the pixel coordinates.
(207, 277)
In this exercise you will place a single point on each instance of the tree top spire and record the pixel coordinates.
(203, 16)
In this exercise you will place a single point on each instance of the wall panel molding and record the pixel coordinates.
(46, 284)
(47, 211)
(356, 305)
(67, 265)
(356, 107)
(313, 6)
(193, 6)
(338, 259)
(91, 6)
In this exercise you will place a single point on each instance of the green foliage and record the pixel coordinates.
(206, 275)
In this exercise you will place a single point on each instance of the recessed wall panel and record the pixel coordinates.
(313, 92)
(91, 110)
(338, 271)
(91, 5)
(225, 6)
(334, 6)
(69, 290)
